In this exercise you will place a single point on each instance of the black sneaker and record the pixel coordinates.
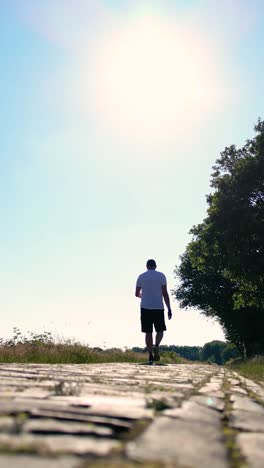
(150, 361)
(156, 353)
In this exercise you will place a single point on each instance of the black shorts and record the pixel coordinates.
(150, 317)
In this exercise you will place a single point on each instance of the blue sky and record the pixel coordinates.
(112, 115)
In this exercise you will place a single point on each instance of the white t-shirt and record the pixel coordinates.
(150, 283)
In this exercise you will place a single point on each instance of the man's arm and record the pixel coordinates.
(166, 299)
(138, 292)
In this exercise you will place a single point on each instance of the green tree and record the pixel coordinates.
(212, 351)
(222, 270)
(229, 352)
(236, 213)
(203, 286)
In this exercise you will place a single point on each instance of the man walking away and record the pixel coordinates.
(151, 287)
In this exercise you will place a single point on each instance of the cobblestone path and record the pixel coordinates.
(129, 415)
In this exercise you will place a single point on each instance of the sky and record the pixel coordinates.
(112, 115)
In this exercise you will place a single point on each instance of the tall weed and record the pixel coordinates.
(44, 348)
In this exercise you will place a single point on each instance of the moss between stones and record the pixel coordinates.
(158, 404)
(236, 459)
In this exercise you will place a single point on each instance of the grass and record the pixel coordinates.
(158, 404)
(250, 368)
(43, 348)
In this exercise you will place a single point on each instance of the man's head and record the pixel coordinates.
(151, 264)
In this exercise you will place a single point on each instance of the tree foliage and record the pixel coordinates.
(213, 351)
(222, 270)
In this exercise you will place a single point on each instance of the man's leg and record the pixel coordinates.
(160, 327)
(149, 344)
(159, 336)
(147, 328)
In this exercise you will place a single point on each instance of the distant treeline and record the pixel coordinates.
(217, 352)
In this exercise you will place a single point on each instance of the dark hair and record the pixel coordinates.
(151, 263)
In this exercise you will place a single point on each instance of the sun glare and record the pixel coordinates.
(153, 79)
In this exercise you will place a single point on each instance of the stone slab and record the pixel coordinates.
(32, 461)
(186, 443)
(211, 387)
(51, 426)
(65, 416)
(192, 411)
(115, 406)
(61, 444)
(7, 423)
(254, 387)
(252, 447)
(247, 421)
(238, 391)
(209, 401)
(246, 404)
